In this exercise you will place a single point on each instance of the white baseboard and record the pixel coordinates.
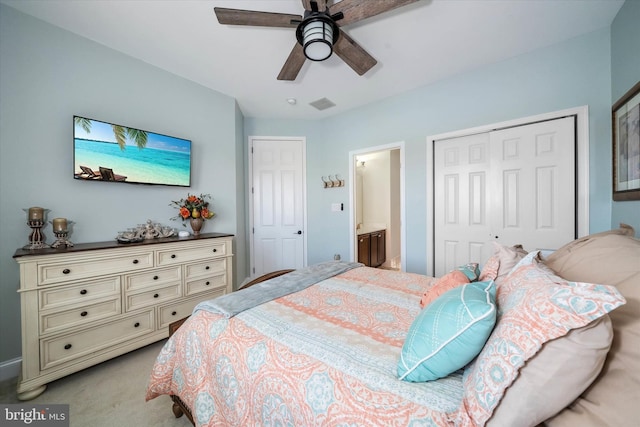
(10, 368)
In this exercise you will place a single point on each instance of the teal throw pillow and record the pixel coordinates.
(471, 270)
(449, 333)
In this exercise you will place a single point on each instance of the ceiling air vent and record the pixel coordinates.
(322, 104)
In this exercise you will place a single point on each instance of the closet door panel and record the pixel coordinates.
(461, 228)
(536, 165)
(511, 186)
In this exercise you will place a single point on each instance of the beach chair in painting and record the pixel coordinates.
(87, 173)
(108, 175)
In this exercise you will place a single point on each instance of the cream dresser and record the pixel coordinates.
(89, 303)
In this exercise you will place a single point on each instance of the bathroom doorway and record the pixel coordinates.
(377, 206)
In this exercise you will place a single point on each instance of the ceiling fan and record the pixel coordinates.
(318, 33)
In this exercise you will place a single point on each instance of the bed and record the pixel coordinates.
(524, 340)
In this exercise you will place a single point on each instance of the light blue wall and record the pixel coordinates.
(46, 76)
(240, 248)
(566, 75)
(625, 73)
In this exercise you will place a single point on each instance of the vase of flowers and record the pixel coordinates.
(195, 209)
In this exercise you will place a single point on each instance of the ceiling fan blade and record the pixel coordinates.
(293, 64)
(353, 54)
(259, 19)
(357, 10)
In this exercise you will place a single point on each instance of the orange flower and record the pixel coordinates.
(191, 206)
(206, 214)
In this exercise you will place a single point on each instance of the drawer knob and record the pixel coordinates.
(67, 347)
(66, 271)
(173, 256)
(173, 313)
(135, 261)
(207, 267)
(84, 313)
(137, 324)
(215, 250)
(207, 283)
(83, 292)
(156, 295)
(155, 277)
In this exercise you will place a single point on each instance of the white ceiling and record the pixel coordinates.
(414, 45)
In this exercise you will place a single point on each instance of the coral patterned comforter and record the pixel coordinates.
(323, 356)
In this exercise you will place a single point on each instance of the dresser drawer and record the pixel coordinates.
(80, 316)
(134, 301)
(93, 267)
(207, 268)
(206, 284)
(59, 350)
(197, 252)
(155, 278)
(172, 312)
(78, 294)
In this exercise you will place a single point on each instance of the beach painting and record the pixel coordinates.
(109, 152)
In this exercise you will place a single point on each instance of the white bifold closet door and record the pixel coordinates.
(512, 186)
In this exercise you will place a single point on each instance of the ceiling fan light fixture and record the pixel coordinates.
(317, 33)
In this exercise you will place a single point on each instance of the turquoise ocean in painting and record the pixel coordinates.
(149, 165)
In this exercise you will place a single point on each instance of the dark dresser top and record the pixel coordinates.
(79, 247)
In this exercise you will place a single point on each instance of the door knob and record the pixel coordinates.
(298, 232)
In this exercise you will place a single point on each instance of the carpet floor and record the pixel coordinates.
(109, 394)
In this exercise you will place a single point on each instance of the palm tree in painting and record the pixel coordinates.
(120, 132)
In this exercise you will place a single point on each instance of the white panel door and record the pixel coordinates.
(513, 186)
(534, 173)
(278, 204)
(461, 172)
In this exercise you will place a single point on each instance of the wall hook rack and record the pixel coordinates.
(332, 182)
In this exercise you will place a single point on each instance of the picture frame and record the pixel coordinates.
(625, 126)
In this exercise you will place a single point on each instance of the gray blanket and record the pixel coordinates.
(297, 280)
